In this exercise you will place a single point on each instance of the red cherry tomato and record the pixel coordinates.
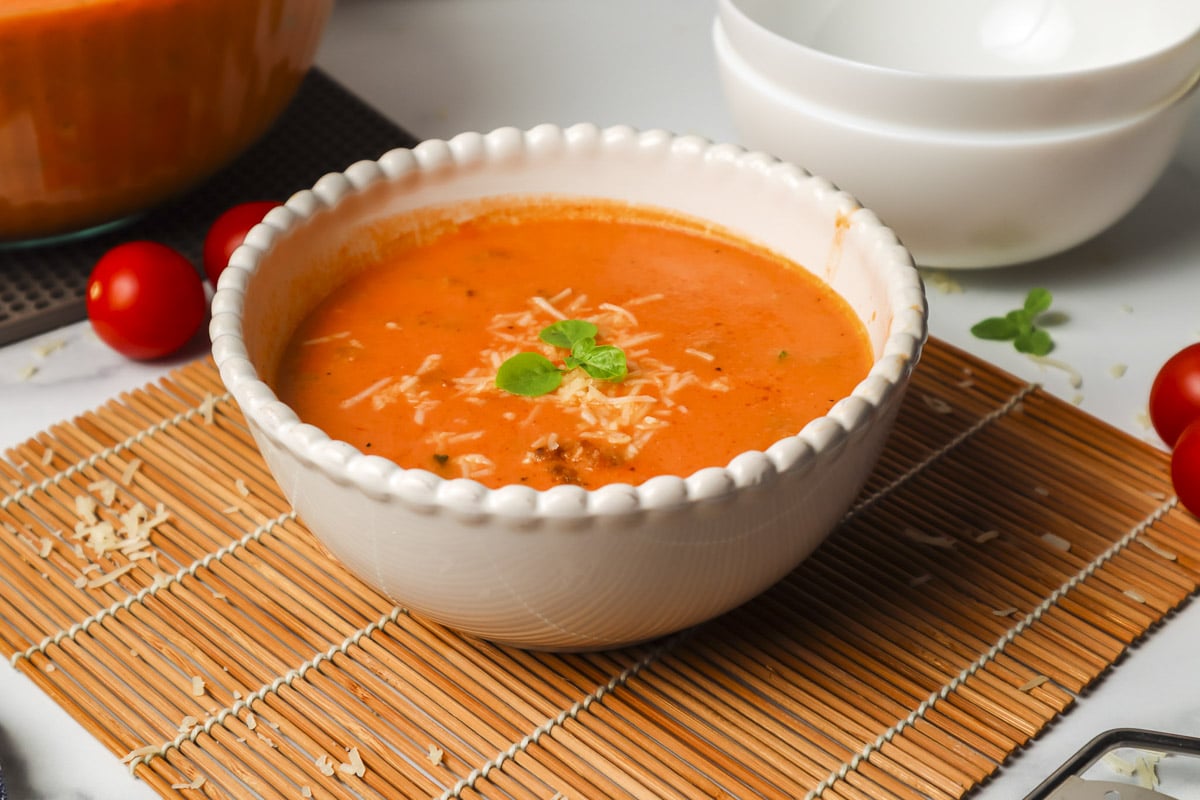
(1185, 467)
(1175, 394)
(227, 232)
(145, 300)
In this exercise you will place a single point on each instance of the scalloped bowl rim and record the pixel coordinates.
(425, 491)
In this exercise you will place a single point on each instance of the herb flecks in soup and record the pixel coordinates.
(726, 348)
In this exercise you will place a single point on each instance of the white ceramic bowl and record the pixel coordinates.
(986, 65)
(972, 169)
(567, 567)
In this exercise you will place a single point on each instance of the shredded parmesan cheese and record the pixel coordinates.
(195, 783)
(139, 752)
(937, 404)
(46, 349)
(355, 765)
(937, 540)
(197, 686)
(325, 764)
(130, 470)
(106, 489)
(1033, 683)
(1159, 551)
(435, 755)
(206, 408)
(351, 402)
(1056, 541)
(1134, 596)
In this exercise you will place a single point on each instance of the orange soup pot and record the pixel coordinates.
(108, 107)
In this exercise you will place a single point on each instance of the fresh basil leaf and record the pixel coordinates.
(566, 332)
(1037, 342)
(1037, 301)
(998, 328)
(529, 375)
(606, 363)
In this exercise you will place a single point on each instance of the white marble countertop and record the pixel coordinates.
(1129, 298)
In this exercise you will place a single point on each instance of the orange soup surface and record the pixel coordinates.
(728, 348)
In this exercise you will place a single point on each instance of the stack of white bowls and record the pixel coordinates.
(985, 132)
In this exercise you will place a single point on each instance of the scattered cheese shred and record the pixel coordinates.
(49, 347)
(1118, 370)
(106, 489)
(1158, 551)
(1033, 683)
(1146, 770)
(355, 765)
(325, 764)
(351, 402)
(241, 487)
(1073, 375)
(130, 470)
(435, 755)
(197, 686)
(139, 752)
(85, 507)
(937, 540)
(1004, 612)
(206, 408)
(195, 783)
(47, 456)
(1056, 542)
(937, 405)
(942, 282)
(107, 578)
(27, 372)
(986, 536)
(331, 337)
(1134, 595)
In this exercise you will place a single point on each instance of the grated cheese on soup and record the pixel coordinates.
(728, 348)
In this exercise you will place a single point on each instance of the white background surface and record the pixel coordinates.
(1128, 299)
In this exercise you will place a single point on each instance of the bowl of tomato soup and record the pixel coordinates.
(570, 388)
(108, 107)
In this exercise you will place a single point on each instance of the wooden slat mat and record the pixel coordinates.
(1006, 552)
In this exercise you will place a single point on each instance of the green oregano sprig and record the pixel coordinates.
(1019, 325)
(532, 374)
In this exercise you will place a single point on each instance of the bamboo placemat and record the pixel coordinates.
(1006, 551)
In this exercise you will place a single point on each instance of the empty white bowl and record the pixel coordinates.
(1008, 131)
(567, 567)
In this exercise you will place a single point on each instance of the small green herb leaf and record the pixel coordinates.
(532, 374)
(529, 375)
(1020, 325)
(606, 363)
(1037, 342)
(566, 332)
(999, 328)
(1037, 301)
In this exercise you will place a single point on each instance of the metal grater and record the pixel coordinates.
(325, 129)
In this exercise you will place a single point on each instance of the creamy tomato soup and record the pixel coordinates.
(728, 348)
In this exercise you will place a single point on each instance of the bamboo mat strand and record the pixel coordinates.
(1003, 555)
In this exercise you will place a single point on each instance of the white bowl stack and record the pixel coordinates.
(985, 132)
